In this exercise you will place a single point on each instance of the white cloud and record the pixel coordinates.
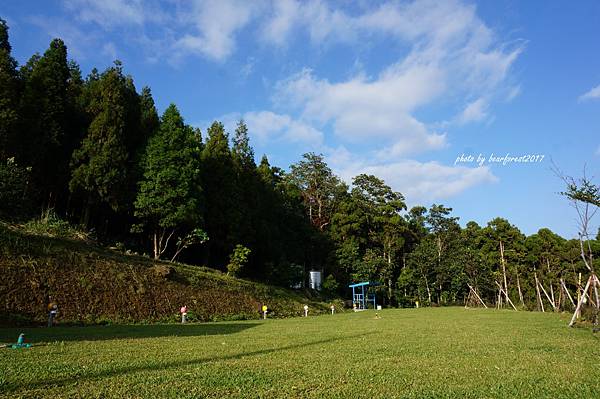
(474, 112)
(592, 94)
(420, 182)
(452, 55)
(110, 50)
(513, 93)
(215, 23)
(363, 109)
(78, 42)
(108, 13)
(316, 17)
(268, 126)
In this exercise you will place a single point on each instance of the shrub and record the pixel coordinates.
(14, 183)
(238, 259)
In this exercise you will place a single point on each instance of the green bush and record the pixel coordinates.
(50, 224)
(14, 195)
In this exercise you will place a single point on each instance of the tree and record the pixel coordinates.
(242, 152)
(9, 96)
(14, 195)
(218, 179)
(237, 260)
(318, 185)
(381, 209)
(168, 198)
(102, 164)
(584, 196)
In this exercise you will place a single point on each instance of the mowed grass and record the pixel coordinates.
(412, 353)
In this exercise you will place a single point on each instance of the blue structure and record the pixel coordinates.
(361, 295)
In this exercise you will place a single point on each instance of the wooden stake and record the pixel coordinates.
(539, 296)
(506, 296)
(579, 303)
(551, 288)
(478, 297)
(519, 288)
(548, 297)
(503, 266)
(567, 291)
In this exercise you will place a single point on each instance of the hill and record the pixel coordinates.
(92, 284)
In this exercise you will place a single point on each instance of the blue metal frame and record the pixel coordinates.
(359, 298)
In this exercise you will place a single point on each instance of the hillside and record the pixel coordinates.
(97, 285)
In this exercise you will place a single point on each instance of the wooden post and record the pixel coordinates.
(551, 288)
(548, 297)
(503, 266)
(539, 296)
(596, 283)
(519, 288)
(579, 303)
(562, 282)
(506, 296)
(478, 297)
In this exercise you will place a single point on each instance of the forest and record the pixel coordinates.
(93, 151)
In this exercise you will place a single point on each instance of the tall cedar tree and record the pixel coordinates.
(218, 180)
(45, 107)
(169, 192)
(246, 186)
(105, 159)
(9, 96)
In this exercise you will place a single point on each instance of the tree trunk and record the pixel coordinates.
(503, 267)
(155, 243)
(519, 288)
(579, 303)
(539, 296)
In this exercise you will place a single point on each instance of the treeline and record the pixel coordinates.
(95, 151)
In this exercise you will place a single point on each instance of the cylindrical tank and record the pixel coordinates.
(314, 281)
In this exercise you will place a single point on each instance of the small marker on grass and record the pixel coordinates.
(20, 342)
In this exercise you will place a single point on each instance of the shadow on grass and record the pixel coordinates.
(100, 333)
(10, 387)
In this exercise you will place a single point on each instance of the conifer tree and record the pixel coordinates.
(169, 193)
(9, 96)
(100, 167)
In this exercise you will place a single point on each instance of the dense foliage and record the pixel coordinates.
(96, 152)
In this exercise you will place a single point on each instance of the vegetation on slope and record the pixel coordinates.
(92, 284)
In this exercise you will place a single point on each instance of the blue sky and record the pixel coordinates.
(398, 89)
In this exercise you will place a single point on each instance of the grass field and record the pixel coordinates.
(414, 353)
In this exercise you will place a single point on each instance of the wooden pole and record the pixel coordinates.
(548, 297)
(503, 266)
(478, 297)
(562, 282)
(539, 296)
(551, 288)
(519, 288)
(506, 295)
(596, 283)
(579, 303)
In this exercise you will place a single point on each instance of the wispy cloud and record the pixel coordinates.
(474, 112)
(215, 24)
(269, 126)
(452, 55)
(107, 13)
(420, 182)
(592, 94)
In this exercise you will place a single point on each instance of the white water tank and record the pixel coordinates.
(314, 281)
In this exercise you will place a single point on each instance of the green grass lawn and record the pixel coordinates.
(413, 353)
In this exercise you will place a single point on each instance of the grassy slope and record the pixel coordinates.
(92, 284)
(412, 353)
